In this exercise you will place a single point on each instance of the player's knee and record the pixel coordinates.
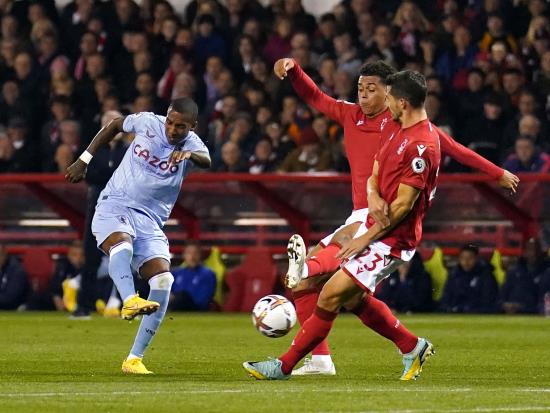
(121, 249)
(329, 302)
(161, 281)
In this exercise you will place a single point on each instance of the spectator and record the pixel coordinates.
(409, 289)
(278, 43)
(69, 143)
(281, 143)
(542, 76)
(18, 154)
(471, 286)
(347, 55)
(310, 156)
(383, 47)
(543, 302)
(526, 158)
(512, 82)
(194, 284)
(231, 159)
(60, 108)
(264, 158)
(208, 41)
(519, 293)
(495, 31)
(484, 133)
(453, 65)
(532, 126)
(470, 101)
(178, 64)
(410, 21)
(13, 281)
(436, 114)
(67, 278)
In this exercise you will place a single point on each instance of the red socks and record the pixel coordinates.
(305, 302)
(377, 316)
(313, 331)
(324, 261)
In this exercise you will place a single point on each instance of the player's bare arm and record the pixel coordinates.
(201, 159)
(282, 66)
(399, 209)
(378, 207)
(77, 171)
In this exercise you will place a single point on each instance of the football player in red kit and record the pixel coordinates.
(362, 123)
(405, 175)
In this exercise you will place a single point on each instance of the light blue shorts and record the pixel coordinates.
(149, 240)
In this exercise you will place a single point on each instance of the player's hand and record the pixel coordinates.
(282, 66)
(508, 181)
(379, 210)
(352, 248)
(178, 156)
(77, 171)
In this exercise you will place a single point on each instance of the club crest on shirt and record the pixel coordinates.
(149, 134)
(383, 123)
(402, 146)
(418, 165)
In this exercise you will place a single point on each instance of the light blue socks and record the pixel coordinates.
(160, 292)
(120, 269)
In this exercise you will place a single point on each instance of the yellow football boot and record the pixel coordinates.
(136, 305)
(134, 366)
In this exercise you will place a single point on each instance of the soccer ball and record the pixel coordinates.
(273, 316)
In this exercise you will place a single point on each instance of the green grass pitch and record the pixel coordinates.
(483, 364)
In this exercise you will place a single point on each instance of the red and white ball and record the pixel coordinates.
(273, 316)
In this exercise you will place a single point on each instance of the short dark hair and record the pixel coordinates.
(471, 248)
(379, 68)
(409, 85)
(185, 105)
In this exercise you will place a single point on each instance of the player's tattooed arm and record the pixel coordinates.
(77, 171)
(399, 209)
(201, 159)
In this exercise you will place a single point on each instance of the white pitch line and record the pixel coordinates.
(250, 391)
(473, 410)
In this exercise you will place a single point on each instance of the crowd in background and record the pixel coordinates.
(487, 65)
(470, 286)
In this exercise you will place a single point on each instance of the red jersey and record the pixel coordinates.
(363, 138)
(410, 156)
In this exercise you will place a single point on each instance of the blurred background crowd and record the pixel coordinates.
(62, 69)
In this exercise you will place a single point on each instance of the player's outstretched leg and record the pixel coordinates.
(376, 315)
(338, 290)
(160, 292)
(305, 301)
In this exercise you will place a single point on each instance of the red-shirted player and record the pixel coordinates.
(405, 175)
(362, 125)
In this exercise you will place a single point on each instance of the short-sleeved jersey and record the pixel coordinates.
(409, 156)
(144, 179)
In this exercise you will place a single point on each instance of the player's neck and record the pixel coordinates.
(412, 117)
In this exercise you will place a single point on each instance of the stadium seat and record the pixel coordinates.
(438, 273)
(215, 263)
(254, 278)
(39, 266)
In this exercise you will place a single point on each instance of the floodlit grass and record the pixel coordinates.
(483, 364)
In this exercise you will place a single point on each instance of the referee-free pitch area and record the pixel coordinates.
(49, 363)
